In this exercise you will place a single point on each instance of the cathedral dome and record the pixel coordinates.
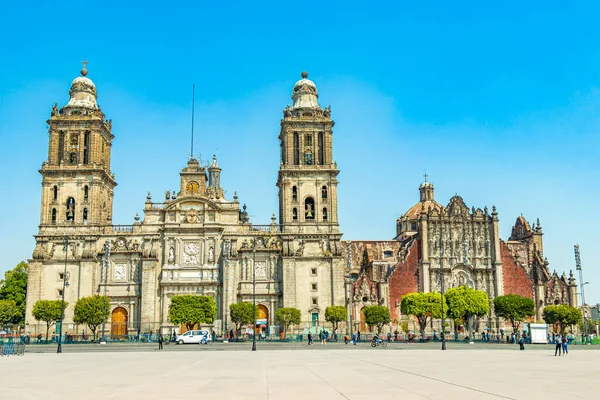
(83, 91)
(415, 211)
(305, 93)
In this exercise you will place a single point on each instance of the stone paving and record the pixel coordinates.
(319, 373)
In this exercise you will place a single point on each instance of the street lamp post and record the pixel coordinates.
(254, 295)
(442, 284)
(226, 248)
(106, 263)
(62, 305)
(578, 267)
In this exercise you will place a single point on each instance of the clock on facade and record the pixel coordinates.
(192, 187)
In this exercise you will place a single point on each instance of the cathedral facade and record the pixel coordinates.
(460, 246)
(194, 240)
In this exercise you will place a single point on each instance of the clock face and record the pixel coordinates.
(192, 187)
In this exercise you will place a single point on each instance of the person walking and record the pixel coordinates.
(310, 338)
(522, 342)
(323, 338)
(160, 341)
(557, 348)
(565, 346)
(389, 336)
(354, 339)
(358, 336)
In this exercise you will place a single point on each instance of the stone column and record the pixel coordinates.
(499, 281)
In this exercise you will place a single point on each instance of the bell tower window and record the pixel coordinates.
(325, 214)
(73, 158)
(55, 193)
(85, 192)
(308, 158)
(61, 146)
(295, 214)
(321, 149)
(296, 149)
(85, 215)
(308, 140)
(294, 193)
(70, 209)
(324, 192)
(54, 216)
(309, 208)
(86, 148)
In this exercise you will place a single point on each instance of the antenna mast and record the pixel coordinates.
(192, 144)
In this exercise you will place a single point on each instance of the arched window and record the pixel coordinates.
(54, 215)
(296, 149)
(294, 213)
(85, 192)
(55, 192)
(85, 215)
(309, 208)
(325, 214)
(70, 209)
(324, 192)
(294, 193)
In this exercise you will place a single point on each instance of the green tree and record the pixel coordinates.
(514, 308)
(562, 316)
(14, 287)
(466, 303)
(92, 311)
(287, 316)
(8, 310)
(189, 309)
(242, 314)
(48, 311)
(377, 316)
(335, 315)
(424, 306)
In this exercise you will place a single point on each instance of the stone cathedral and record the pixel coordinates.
(196, 241)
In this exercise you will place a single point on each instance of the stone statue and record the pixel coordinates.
(171, 259)
(211, 255)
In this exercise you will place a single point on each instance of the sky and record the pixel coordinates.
(498, 103)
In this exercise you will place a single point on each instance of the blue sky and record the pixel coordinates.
(498, 103)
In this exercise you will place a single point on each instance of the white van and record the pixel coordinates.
(195, 336)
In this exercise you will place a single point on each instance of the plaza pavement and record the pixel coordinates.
(320, 372)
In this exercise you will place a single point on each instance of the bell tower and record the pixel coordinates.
(308, 208)
(307, 175)
(77, 185)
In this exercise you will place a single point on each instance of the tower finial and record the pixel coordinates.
(425, 175)
(304, 74)
(84, 70)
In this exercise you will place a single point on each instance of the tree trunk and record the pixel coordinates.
(515, 326)
(422, 326)
(47, 330)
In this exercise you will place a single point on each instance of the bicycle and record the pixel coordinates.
(375, 343)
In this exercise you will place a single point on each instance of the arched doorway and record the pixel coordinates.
(118, 322)
(363, 325)
(262, 318)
